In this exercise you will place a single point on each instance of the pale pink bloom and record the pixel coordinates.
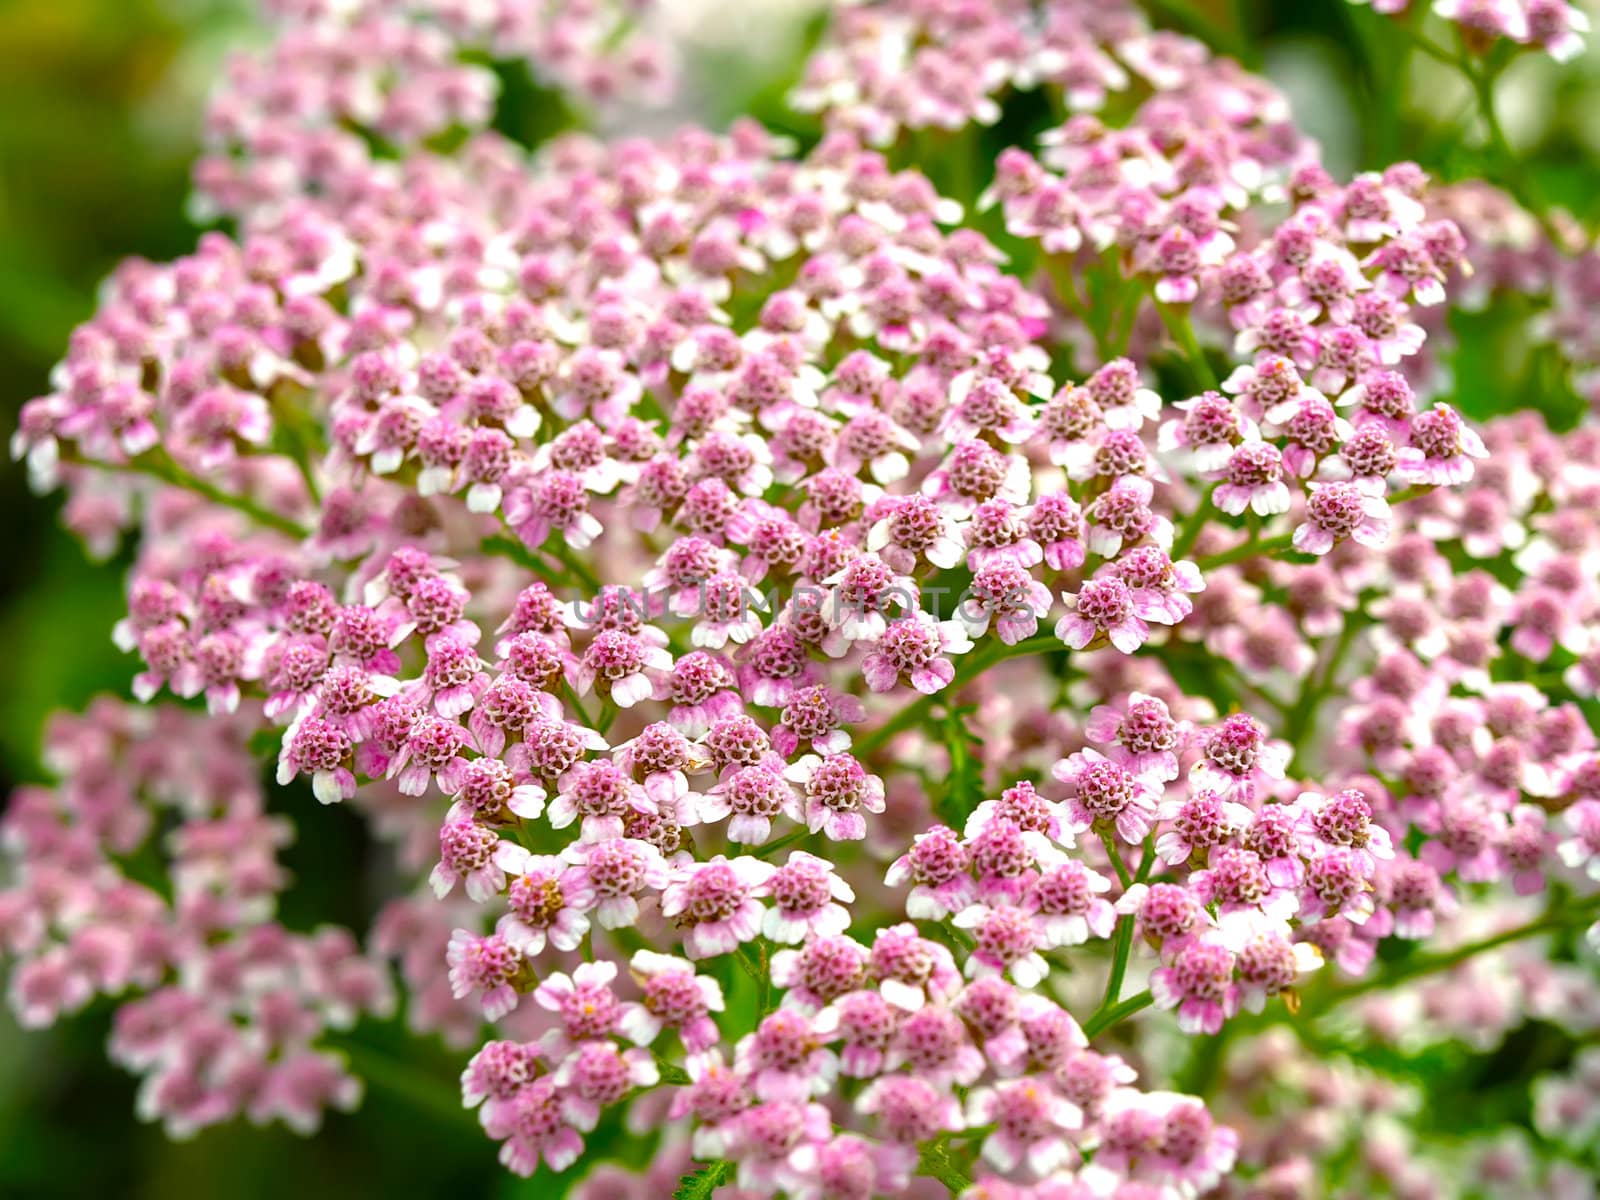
(1106, 796)
(839, 792)
(674, 997)
(1032, 1123)
(1102, 608)
(754, 796)
(808, 899)
(786, 1057)
(1442, 448)
(1142, 733)
(939, 866)
(716, 904)
(489, 966)
(1005, 940)
(549, 901)
(914, 648)
(1336, 511)
(476, 856)
(1503, 17)
(616, 871)
(1199, 983)
(535, 1126)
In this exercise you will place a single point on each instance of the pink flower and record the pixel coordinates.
(935, 1045)
(1006, 594)
(618, 665)
(1239, 760)
(617, 871)
(715, 904)
(603, 795)
(848, 1163)
(548, 902)
(597, 1075)
(312, 746)
(816, 715)
(1143, 736)
(584, 1003)
(755, 796)
(674, 998)
(912, 970)
(910, 1109)
(913, 528)
(1068, 905)
(827, 968)
(1160, 587)
(1199, 984)
(477, 856)
(1252, 478)
(786, 1057)
(913, 648)
(1032, 1121)
(1442, 448)
(1336, 511)
(1106, 796)
(489, 966)
(431, 752)
(535, 1126)
(498, 1072)
(940, 867)
(1124, 401)
(839, 792)
(1005, 940)
(1195, 1152)
(1102, 608)
(805, 892)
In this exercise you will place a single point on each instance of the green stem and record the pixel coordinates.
(580, 569)
(1110, 843)
(573, 699)
(1575, 915)
(1519, 182)
(1147, 861)
(1104, 1018)
(1122, 939)
(1318, 683)
(159, 466)
(1247, 550)
(1182, 331)
(1193, 524)
(1121, 948)
(787, 839)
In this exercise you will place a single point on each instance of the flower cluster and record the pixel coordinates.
(1553, 26)
(785, 639)
(225, 1011)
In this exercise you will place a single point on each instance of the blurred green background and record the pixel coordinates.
(99, 106)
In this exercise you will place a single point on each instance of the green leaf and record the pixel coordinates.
(963, 790)
(698, 1185)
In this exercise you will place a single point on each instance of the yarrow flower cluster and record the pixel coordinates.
(790, 644)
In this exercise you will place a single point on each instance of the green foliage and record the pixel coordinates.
(961, 790)
(699, 1184)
